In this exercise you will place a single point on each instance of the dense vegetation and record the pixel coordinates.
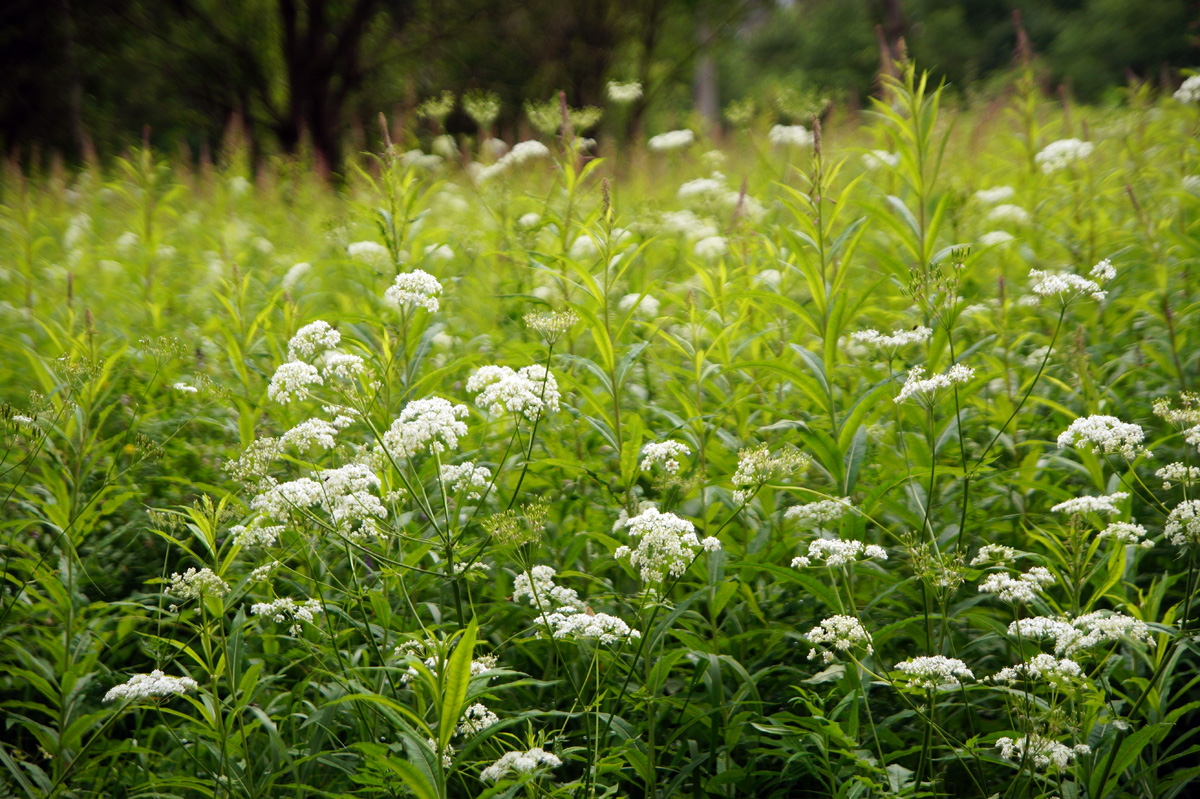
(814, 466)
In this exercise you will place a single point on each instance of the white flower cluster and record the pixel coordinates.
(1127, 533)
(1022, 588)
(688, 224)
(1178, 473)
(288, 609)
(415, 289)
(931, 386)
(665, 454)
(835, 552)
(1062, 153)
(184, 387)
(624, 92)
(1013, 214)
(1072, 635)
(255, 461)
(372, 252)
(993, 553)
(667, 545)
(520, 153)
(193, 584)
(1183, 523)
(601, 626)
(994, 195)
(892, 342)
(790, 136)
(840, 632)
(311, 339)
(526, 391)
(1106, 434)
(291, 381)
(430, 424)
(150, 686)
(1066, 286)
(256, 534)
(757, 467)
(822, 513)
(1189, 92)
(1041, 667)
(476, 718)
(932, 671)
(876, 159)
(994, 238)
(466, 476)
(542, 591)
(520, 762)
(316, 432)
(1043, 753)
(646, 307)
(711, 247)
(343, 365)
(671, 140)
(278, 500)
(1082, 505)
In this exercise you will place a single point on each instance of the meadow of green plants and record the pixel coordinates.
(855, 462)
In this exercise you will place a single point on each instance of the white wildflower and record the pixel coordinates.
(311, 338)
(993, 554)
(154, 685)
(1183, 523)
(624, 92)
(370, 252)
(880, 158)
(995, 238)
(542, 592)
(426, 425)
(255, 534)
(1178, 473)
(295, 274)
(193, 584)
(415, 289)
(185, 388)
(1189, 92)
(601, 626)
(790, 136)
(288, 609)
(667, 545)
(995, 195)
(643, 305)
(1062, 153)
(279, 500)
(932, 671)
(665, 454)
(466, 476)
(476, 718)
(840, 633)
(343, 366)
(894, 341)
(1023, 588)
(520, 762)
(1082, 505)
(823, 513)
(672, 140)
(1013, 214)
(1127, 533)
(314, 432)
(527, 391)
(1041, 667)
(930, 387)
(711, 247)
(1070, 636)
(757, 467)
(835, 552)
(1043, 753)
(1106, 434)
(291, 381)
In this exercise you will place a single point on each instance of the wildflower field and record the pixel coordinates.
(850, 462)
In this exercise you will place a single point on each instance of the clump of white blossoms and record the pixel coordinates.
(542, 590)
(1023, 588)
(1127, 533)
(371, 252)
(154, 685)
(667, 545)
(932, 671)
(839, 632)
(624, 92)
(1081, 505)
(311, 339)
(930, 387)
(891, 342)
(415, 289)
(1071, 636)
(1106, 434)
(288, 609)
(1062, 153)
(522, 763)
(711, 247)
(604, 628)
(343, 365)
(1043, 753)
(466, 476)
(880, 158)
(990, 554)
(757, 467)
(521, 153)
(1066, 286)
(645, 306)
(1189, 92)
(1178, 473)
(995, 238)
(526, 391)
(280, 499)
(1013, 214)
(193, 584)
(256, 534)
(184, 387)
(822, 513)
(426, 425)
(314, 432)
(552, 325)
(997, 194)
(476, 718)
(291, 381)
(664, 453)
(1043, 667)
(1183, 523)
(790, 136)
(835, 552)
(671, 140)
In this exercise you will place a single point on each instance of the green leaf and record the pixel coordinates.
(458, 679)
